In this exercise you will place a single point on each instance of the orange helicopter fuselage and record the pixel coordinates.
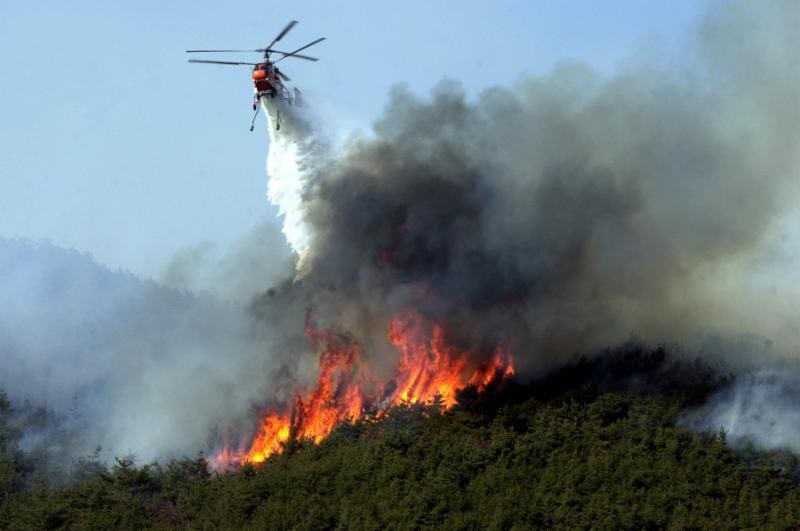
(265, 79)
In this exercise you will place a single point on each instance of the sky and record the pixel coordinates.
(113, 144)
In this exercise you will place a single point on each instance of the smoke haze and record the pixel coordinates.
(760, 407)
(126, 364)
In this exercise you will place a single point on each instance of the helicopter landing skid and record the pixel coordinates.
(253, 121)
(256, 106)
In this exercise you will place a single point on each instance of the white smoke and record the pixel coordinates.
(131, 366)
(760, 408)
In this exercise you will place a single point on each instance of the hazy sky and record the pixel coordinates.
(113, 144)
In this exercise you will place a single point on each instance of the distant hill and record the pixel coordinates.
(141, 366)
(60, 307)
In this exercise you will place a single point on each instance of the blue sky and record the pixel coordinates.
(113, 144)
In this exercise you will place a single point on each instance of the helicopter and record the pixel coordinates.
(268, 80)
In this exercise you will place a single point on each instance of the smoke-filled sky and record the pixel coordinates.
(103, 120)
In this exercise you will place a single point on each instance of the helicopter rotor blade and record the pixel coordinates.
(288, 27)
(284, 76)
(306, 57)
(219, 62)
(292, 54)
(199, 51)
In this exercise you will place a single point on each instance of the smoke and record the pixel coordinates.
(260, 258)
(562, 214)
(569, 211)
(759, 408)
(120, 362)
(573, 210)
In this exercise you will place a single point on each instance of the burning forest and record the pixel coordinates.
(567, 301)
(428, 370)
(601, 256)
(561, 215)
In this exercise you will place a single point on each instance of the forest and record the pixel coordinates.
(584, 448)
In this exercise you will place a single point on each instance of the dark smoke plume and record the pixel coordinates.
(570, 211)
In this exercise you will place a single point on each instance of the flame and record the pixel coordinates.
(428, 369)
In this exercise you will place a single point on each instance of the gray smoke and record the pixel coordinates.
(121, 363)
(572, 210)
(261, 258)
(759, 408)
(562, 214)
(559, 215)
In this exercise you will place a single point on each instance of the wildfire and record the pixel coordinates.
(429, 368)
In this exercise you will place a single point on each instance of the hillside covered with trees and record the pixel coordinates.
(565, 454)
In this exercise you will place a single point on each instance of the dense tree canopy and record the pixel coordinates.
(577, 460)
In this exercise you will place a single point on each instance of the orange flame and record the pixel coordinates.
(428, 368)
